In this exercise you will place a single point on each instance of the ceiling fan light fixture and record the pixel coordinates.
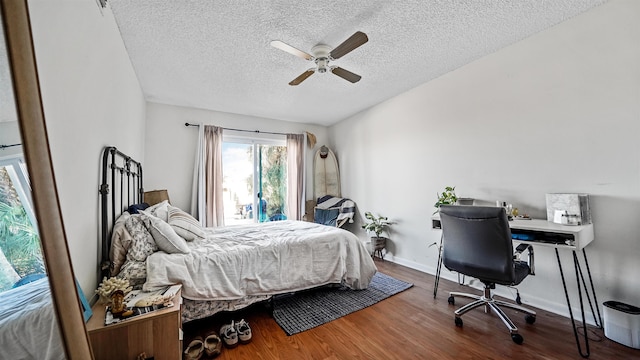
(323, 54)
(322, 63)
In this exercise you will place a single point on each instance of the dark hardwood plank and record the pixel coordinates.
(412, 325)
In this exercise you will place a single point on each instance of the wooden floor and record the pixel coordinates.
(412, 325)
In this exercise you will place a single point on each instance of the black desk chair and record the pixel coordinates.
(477, 242)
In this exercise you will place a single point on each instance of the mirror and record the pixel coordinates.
(18, 54)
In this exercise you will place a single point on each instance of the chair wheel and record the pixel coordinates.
(530, 319)
(451, 300)
(517, 338)
(458, 322)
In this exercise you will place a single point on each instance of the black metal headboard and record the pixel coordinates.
(122, 178)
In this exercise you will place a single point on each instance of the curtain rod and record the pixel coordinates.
(2, 147)
(252, 131)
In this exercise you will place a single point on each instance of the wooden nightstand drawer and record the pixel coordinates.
(157, 334)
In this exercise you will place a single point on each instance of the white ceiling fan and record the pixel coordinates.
(322, 55)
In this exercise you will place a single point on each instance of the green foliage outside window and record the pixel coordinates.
(20, 251)
(274, 172)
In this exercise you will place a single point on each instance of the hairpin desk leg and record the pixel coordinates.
(438, 267)
(579, 277)
(598, 321)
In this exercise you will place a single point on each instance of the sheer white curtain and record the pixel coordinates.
(198, 203)
(295, 176)
(207, 184)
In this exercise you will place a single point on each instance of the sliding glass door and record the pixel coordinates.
(254, 180)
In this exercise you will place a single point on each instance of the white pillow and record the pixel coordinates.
(159, 210)
(164, 236)
(184, 224)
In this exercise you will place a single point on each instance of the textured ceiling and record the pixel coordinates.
(216, 54)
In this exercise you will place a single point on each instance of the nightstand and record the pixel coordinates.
(158, 334)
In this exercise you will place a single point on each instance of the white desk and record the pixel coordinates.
(546, 233)
(539, 232)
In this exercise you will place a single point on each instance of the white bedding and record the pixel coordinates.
(263, 259)
(28, 325)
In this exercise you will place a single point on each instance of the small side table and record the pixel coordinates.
(157, 334)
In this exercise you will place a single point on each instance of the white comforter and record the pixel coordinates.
(28, 325)
(263, 259)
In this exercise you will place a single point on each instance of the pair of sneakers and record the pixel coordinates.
(210, 346)
(234, 333)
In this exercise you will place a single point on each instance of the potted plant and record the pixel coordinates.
(447, 197)
(377, 225)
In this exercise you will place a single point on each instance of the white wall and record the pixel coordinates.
(10, 134)
(171, 146)
(558, 112)
(91, 99)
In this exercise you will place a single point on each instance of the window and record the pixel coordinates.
(20, 252)
(254, 179)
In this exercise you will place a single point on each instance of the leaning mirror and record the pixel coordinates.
(40, 310)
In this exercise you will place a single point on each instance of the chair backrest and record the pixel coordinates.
(477, 242)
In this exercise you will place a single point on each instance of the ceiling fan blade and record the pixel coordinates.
(349, 45)
(290, 49)
(302, 77)
(346, 74)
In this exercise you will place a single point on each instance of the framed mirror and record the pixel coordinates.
(21, 67)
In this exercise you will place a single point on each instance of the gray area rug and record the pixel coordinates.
(305, 310)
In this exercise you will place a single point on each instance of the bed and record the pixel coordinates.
(28, 325)
(224, 268)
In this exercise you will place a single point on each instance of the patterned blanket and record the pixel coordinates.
(346, 208)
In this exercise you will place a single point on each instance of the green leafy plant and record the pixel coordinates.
(447, 197)
(377, 224)
(20, 253)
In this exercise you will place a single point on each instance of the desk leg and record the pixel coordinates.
(598, 320)
(579, 277)
(438, 267)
